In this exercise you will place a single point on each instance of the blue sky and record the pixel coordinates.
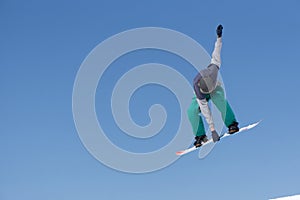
(43, 44)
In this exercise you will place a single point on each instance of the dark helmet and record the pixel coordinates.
(209, 78)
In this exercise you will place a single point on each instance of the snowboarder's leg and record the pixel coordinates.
(196, 120)
(218, 98)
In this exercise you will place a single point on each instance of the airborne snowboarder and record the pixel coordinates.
(207, 87)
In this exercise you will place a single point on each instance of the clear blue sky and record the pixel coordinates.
(42, 45)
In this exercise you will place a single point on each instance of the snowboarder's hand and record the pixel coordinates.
(219, 30)
(215, 136)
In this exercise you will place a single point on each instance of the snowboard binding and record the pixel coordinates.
(200, 140)
(233, 128)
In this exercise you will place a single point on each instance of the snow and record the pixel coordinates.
(295, 197)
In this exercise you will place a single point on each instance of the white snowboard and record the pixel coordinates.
(180, 153)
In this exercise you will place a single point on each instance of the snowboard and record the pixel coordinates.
(226, 134)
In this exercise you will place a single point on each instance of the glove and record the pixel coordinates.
(215, 136)
(219, 30)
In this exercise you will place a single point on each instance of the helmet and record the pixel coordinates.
(208, 80)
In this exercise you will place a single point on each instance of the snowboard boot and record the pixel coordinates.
(233, 128)
(199, 140)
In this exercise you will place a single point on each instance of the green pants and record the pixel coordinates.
(218, 98)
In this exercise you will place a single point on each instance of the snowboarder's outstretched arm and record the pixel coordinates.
(216, 55)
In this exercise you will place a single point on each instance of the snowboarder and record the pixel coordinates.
(207, 87)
